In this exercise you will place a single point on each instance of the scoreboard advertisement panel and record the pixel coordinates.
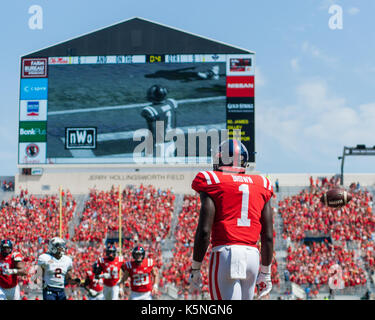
(133, 108)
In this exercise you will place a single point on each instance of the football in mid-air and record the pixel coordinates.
(336, 198)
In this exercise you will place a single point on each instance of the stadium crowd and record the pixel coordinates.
(141, 208)
(146, 219)
(177, 271)
(30, 221)
(311, 264)
(305, 216)
(304, 213)
(146, 215)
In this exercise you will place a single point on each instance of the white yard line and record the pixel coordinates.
(130, 106)
(127, 135)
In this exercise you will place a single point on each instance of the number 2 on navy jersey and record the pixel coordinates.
(58, 273)
(244, 221)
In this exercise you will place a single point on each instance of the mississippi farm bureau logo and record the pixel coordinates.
(34, 68)
(32, 150)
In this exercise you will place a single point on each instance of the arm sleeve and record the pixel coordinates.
(173, 103)
(200, 183)
(127, 266)
(268, 189)
(70, 264)
(17, 257)
(100, 264)
(41, 261)
(148, 113)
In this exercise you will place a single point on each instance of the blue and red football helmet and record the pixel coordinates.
(231, 156)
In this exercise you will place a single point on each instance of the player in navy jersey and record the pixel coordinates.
(57, 270)
(162, 111)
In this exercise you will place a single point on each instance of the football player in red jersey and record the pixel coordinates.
(235, 210)
(140, 271)
(93, 285)
(109, 271)
(11, 266)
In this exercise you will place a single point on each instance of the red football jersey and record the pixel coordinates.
(94, 284)
(113, 268)
(9, 262)
(239, 200)
(140, 275)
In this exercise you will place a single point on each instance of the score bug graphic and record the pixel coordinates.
(80, 138)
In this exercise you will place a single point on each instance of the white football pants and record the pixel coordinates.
(140, 295)
(233, 272)
(10, 294)
(111, 293)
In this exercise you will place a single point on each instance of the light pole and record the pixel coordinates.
(359, 150)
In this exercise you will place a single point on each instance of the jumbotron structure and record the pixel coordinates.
(84, 108)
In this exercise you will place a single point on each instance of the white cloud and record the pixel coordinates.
(325, 4)
(294, 63)
(315, 52)
(353, 11)
(260, 79)
(313, 131)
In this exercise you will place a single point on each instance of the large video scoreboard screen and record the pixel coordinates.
(133, 109)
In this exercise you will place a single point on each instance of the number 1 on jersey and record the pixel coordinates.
(244, 221)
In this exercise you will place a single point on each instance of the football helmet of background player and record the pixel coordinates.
(157, 93)
(231, 156)
(56, 247)
(96, 268)
(138, 254)
(6, 247)
(212, 73)
(111, 252)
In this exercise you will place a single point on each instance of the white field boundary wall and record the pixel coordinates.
(80, 179)
(303, 179)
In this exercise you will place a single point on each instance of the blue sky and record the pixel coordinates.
(314, 85)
